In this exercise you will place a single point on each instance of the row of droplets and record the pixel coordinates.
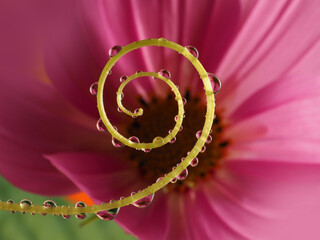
(106, 215)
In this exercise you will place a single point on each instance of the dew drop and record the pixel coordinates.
(114, 50)
(181, 128)
(209, 139)
(215, 83)
(100, 126)
(134, 139)
(81, 215)
(137, 72)
(48, 204)
(66, 216)
(94, 89)
(158, 140)
(116, 142)
(165, 73)
(136, 111)
(159, 179)
(123, 78)
(144, 202)
(194, 162)
(25, 203)
(184, 100)
(146, 150)
(10, 201)
(119, 110)
(203, 149)
(198, 134)
(183, 175)
(121, 96)
(173, 140)
(108, 215)
(173, 180)
(193, 51)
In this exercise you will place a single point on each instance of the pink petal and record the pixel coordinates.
(147, 223)
(101, 176)
(267, 48)
(293, 120)
(25, 168)
(179, 227)
(267, 199)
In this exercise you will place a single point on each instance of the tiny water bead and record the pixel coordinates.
(194, 162)
(215, 82)
(183, 175)
(144, 202)
(81, 215)
(165, 73)
(123, 78)
(49, 204)
(10, 201)
(116, 143)
(114, 50)
(94, 89)
(134, 139)
(193, 51)
(25, 203)
(108, 215)
(100, 126)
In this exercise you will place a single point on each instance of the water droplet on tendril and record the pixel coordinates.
(203, 149)
(144, 202)
(10, 201)
(193, 51)
(134, 139)
(108, 215)
(209, 139)
(66, 216)
(81, 215)
(184, 100)
(146, 150)
(173, 180)
(123, 78)
(198, 134)
(159, 179)
(165, 73)
(194, 162)
(173, 140)
(100, 126)
(119, 110)
(48, 204)
(114, 50)
(158, 140)
(215, 82)
(94, 89)
(183, 175)
(116, 142)
(25, 203)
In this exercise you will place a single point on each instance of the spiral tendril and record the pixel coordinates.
(179, 172)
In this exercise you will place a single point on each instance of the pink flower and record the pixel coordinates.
(259, 179)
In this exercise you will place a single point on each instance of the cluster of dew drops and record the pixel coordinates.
(110, 214)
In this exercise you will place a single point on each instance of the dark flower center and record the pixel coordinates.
(157, 120)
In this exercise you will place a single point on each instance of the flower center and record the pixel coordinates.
(157, 119)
